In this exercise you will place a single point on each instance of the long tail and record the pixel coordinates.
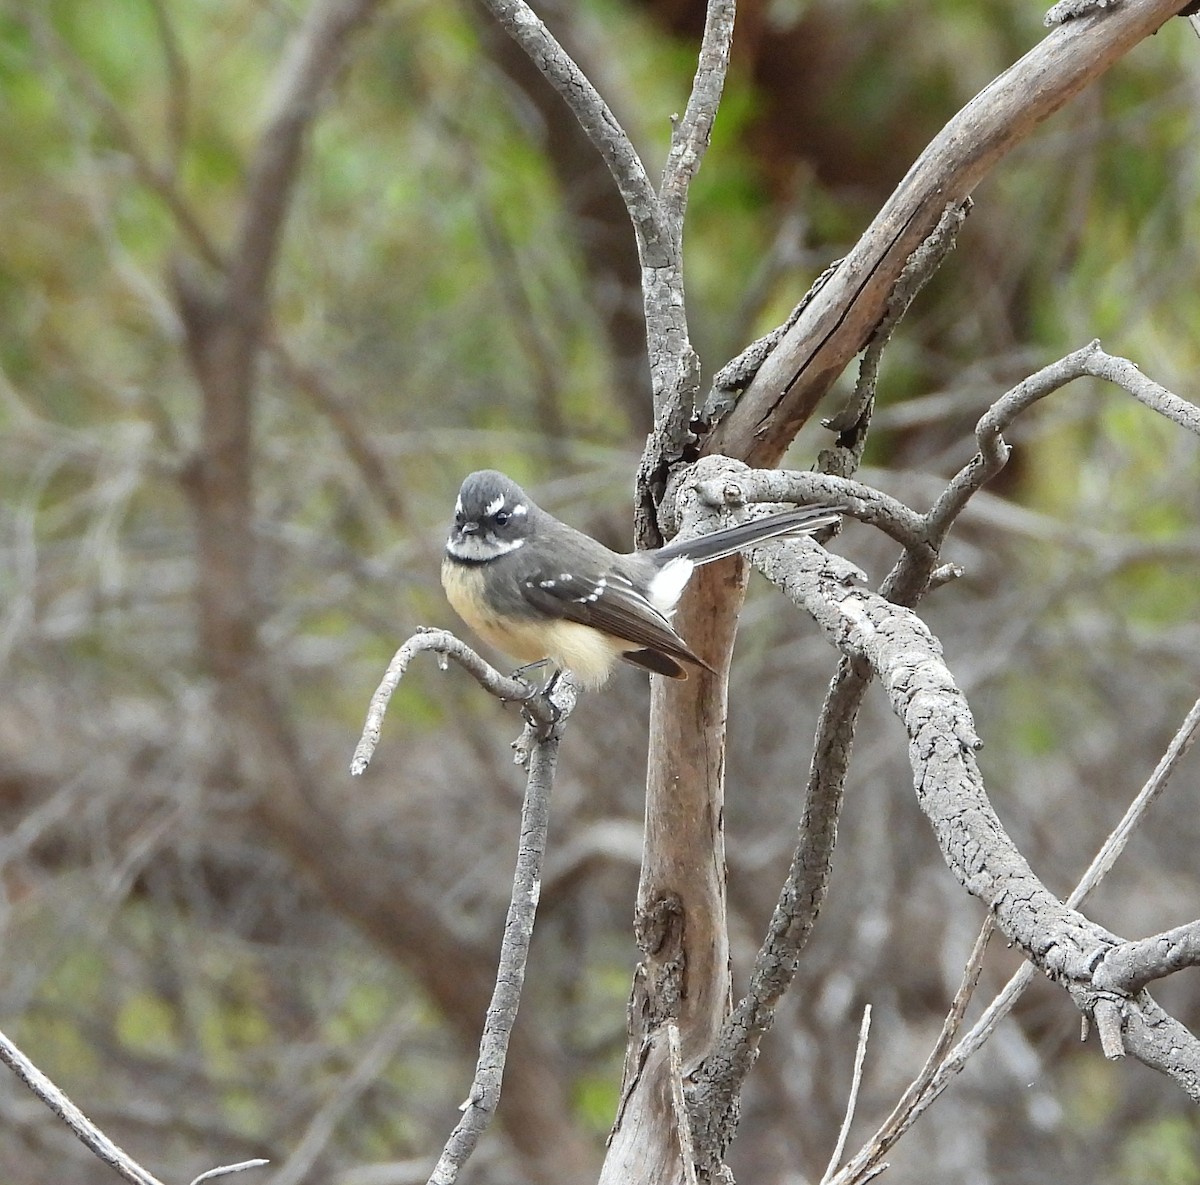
(716, 545)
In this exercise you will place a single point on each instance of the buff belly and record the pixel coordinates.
(586, 653)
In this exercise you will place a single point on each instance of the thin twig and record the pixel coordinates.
(1115, 844)
(445, 645)
(994, 452)
(689, 139)
(84, 1129)
(863, 502)
(860, 1055)
(852, 422)
(866, 1160)
(484, 1095)
(225, 1170)
(600, 125)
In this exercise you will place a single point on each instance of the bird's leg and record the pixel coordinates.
(519, 675)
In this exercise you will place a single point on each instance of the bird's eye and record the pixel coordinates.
(501, 517)
(459, 518)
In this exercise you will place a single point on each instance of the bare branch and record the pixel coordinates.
(866, 1162)
(860, 1054)
(1106, 1013)
(934, 1078)
(994, 452)
(84, 1130)
(840, 319)
(1131, 966)
(719, 1078)
(862, 502)
(87, 1132)
(226, 1170)
(852, 422)
(690, 136)
(908, 662)
(484, 1095)
(595, 117)
(901, 652)
(1114, 845)
(1061, 942)
(446, 645)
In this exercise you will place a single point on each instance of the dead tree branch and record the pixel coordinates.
(481, 1102)
(87, 1132)
(841, 317)
(446, 645)
(945, 1063)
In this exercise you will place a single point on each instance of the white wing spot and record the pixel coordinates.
(667, 584)
(546, 583)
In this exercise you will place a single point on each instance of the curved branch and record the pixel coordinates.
(863, 502)
(538, 707)
(524, 26)
(906, 658)
(994, 452)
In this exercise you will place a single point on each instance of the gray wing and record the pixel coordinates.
(615, 607)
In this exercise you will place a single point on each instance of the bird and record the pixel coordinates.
(539, 590)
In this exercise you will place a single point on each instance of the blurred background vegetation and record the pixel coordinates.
(457, 288)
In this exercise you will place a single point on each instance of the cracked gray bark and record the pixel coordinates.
(1100, 970)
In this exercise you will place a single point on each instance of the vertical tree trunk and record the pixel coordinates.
(684, 976)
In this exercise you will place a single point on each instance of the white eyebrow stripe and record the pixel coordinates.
(519, 509)
(495, 504)
(458, 506)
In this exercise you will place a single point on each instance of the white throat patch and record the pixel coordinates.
(476, 549)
